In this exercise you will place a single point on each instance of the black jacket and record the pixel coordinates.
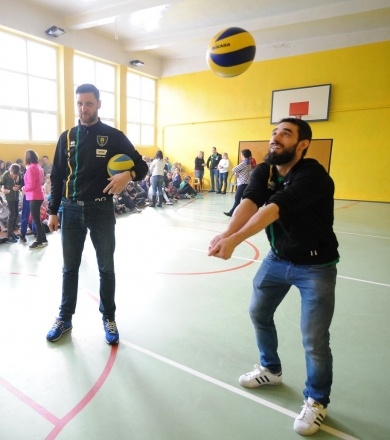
(303, 234)
(213, 161)
(80, 162)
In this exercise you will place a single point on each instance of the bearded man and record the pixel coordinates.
(292, 199)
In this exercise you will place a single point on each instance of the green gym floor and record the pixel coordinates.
(186, 336)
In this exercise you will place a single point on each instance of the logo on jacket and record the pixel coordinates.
(102, 140)
(101, 153)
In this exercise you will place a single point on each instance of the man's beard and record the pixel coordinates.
(273, 158)
(88, 119)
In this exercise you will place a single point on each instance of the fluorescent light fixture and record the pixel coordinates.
(136, 63)
(55, 31)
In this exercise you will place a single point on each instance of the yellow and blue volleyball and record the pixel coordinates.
(119, 163)
(231, 52)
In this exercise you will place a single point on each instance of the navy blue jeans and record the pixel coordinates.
(214, 178)
(316, 285)
(99, 219)
(25, 216)
(223, 181)
(238, 196)
(157, 185)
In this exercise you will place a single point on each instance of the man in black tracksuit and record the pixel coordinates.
(80, 183)
(292, 199)
(212, 165)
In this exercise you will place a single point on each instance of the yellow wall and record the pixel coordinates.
(201, 110)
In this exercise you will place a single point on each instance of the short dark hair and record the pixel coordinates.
(88, 88)
(159, 155)
(304, 129)
(246, 153)
(31, 157)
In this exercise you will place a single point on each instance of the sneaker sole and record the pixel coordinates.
(112, 343)
(42, 245)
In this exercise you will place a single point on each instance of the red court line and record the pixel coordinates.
(29, 402)
(60, 424)
(230, 269)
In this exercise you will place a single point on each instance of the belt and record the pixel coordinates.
(90, 202)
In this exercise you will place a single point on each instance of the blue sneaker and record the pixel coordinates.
(58, 329)
(112, 334)
(12, 240)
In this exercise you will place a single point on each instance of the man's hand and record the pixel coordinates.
(221, 247)
(117, 183)
(53, 222)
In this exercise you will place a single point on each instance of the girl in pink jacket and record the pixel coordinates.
(33, 182)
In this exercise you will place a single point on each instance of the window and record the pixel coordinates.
(102, 75)
(28, 90)
(141, 102)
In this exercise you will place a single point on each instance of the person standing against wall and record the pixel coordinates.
(212, 165)
(223, 168)
(242, 172)
(292, 198)
(199, 168)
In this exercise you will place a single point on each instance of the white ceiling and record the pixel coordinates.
(178, 31)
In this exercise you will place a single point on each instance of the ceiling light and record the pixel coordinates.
(136, 63)
(149, 18)
(55, 31)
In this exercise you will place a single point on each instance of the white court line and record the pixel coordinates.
(259, 261)
(232, 389)
(362, 235)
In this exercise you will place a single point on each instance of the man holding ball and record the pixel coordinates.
(81, 185)
(292, 199)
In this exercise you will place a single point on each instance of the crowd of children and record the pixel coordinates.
(136, 196)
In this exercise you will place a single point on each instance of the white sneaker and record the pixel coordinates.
(260, 376)
(311, 417)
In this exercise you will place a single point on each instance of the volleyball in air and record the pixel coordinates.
(119, 163)
(231, 52)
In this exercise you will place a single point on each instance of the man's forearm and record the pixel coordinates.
(256, 223)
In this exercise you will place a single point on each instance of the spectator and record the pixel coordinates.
(10, 183)
(168, 165)
(21, 165)
(34, 195)
(223, 168)
(46, 165)
(242, 172)
(199, 168)
(4, 214)
(212, 165)
(157, 172)
(128, 197)
(176, 178)
(186, 189)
